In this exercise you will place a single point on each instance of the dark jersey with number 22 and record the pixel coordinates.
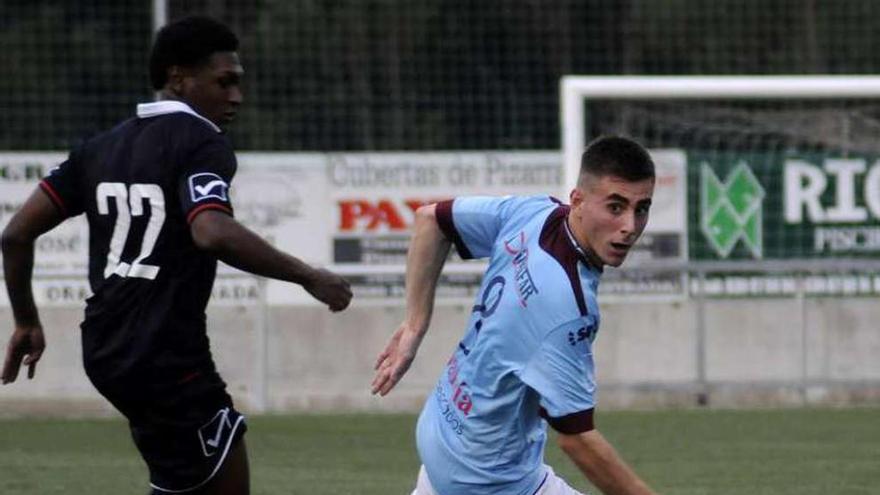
(140, 184)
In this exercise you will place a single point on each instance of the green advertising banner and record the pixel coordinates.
(772, 206)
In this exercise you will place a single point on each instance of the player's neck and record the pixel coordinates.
(582, 247)
(169, 95)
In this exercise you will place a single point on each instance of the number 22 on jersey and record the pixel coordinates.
(130, 203)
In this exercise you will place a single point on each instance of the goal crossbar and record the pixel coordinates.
(575, 90)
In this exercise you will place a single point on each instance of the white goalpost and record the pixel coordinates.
(839, 169)
(576, 90)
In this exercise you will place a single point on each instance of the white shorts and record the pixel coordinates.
(552, 485)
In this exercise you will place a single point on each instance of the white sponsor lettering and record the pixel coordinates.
(806, 185)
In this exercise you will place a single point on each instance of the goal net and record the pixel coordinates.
(779, 173)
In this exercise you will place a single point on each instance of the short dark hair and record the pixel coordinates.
(619, 157)
(188, 42)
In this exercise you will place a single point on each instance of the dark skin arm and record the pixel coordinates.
(215, 232)
(238, 246)
(37, 216)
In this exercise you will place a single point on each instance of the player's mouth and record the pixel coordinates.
(620, 248)
(229, 116)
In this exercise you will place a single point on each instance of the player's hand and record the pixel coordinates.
(330, 289)
(395, 360)
(26, 345)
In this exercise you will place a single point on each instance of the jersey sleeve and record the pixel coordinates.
(62, 185)
(205, 178)
(562, 372)
(473, 223)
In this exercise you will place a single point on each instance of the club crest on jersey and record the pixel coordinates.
(207, 185)
(517, 248)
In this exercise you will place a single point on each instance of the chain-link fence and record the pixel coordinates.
(402, 74)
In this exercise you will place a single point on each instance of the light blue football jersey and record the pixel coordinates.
(526, 354)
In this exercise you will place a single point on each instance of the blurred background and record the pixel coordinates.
(398, 75)
(755, 285)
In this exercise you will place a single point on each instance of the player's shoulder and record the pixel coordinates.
(526, 212)
(107, 137)
(532, 203)
(187, 128)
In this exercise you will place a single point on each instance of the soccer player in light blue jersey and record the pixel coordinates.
(526, 357)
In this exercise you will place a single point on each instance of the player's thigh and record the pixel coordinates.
(189, 438)
(554, 485)
(234, 476)
(423, 484)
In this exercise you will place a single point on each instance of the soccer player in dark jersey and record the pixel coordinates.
(155, 192)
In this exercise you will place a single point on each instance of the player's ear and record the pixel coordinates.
(576, 197)
(174, 81)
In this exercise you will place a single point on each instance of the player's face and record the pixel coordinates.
(608, 214)
(214, 89)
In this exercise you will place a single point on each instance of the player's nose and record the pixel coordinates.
(628, 224)
(235, 95)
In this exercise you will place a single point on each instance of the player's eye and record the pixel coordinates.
(228, 81)
(615, 208)
(642, 210)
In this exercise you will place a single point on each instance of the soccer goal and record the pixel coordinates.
(575, 91)
(767, 188)
(774, 168)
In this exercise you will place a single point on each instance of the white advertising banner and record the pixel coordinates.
(375, 197)
(60, 263)
(352, 212)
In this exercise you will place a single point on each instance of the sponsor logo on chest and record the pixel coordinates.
(518, 250)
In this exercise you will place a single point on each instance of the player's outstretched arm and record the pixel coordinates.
(37, 216)
(238, 246)
(427, 252)
(601, 464)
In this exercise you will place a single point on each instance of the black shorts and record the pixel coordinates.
(184, 430)
(187, 458)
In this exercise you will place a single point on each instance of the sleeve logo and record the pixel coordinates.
(207, 185)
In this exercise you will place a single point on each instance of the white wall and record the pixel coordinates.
(646, 354)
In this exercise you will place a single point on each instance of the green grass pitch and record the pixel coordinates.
(692, 452)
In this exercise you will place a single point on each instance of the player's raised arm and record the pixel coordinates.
(424, 260)
(238, 246)
(601, 464)
(37, 216)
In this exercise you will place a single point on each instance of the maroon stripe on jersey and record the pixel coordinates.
(50, 191)
(207, 206)
(571, 424)
(443, 212)
(554, 239)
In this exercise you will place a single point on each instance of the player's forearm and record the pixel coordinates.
(601, 464)
(37, 216)
(18, 265)
(424, 261)
(239, 247)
